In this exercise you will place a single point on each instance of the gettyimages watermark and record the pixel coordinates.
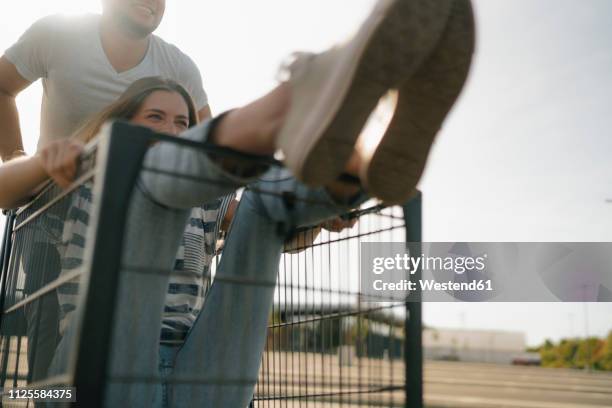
(486, 272)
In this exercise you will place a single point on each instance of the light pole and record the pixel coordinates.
(586, 328)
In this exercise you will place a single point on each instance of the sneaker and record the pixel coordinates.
(396, 165)
(333, 93)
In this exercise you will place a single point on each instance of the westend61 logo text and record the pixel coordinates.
(405, 262)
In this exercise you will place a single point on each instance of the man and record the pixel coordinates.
(85, 64)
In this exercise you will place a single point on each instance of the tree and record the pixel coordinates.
(605, 360)
(587, 353)
(572, 353)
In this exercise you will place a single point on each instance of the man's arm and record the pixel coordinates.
(11, 83)
(204, 113)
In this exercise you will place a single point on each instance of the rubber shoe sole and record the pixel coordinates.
(333, 93)
(424, 102)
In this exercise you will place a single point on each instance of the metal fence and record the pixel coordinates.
(32, 264)
(325, 346)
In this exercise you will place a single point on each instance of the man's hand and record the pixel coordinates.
(60, 160)
(339, 224)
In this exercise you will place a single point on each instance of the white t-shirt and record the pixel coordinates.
(78, 79)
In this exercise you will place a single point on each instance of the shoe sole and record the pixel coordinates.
(424, 102)
(318, 144)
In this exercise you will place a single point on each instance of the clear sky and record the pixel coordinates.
(524, 156)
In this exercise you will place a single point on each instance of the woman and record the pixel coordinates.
(165, 106)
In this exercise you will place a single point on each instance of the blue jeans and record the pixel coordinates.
(167, 358)
(224, 347)
(218, 364)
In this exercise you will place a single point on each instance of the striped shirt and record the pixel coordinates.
(191, 276)
(188, 281)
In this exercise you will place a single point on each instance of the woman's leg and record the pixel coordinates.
(223, 349)
(317, 115)
(147, 263)
(152, 236)
(182, 177)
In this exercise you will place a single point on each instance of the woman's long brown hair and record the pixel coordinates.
(130, 102)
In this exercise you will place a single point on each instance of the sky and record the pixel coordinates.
(523, 156)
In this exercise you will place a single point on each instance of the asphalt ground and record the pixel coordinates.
(309, 380)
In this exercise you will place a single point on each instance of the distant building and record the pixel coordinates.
(328, 329)
(485, 346)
